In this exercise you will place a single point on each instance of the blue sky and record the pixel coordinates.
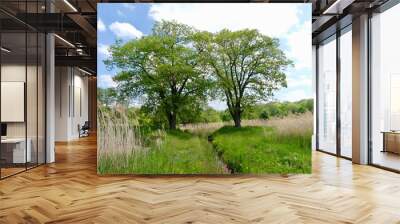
(291, 23)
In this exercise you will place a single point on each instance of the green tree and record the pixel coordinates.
(248, 67)
(162, 68)
(107, 96)
(264, 115)
(210, 115)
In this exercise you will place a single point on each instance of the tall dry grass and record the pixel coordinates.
(117, 134)
(124, 147)
(122, 143)
(292, 124)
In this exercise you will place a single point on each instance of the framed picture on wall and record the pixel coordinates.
(12, 101)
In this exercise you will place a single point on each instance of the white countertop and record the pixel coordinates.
(13, 140)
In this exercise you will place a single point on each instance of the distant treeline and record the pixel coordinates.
(259, 111)
(206, 114)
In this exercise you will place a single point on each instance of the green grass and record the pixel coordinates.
(262, 150)
(180, 153)
(283, 147)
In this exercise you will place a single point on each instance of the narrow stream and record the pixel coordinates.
(226, 167)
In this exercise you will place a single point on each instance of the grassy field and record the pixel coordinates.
(262, 146)
(179, 153)
(260, 150)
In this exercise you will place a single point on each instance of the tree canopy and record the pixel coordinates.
(248, 67)
(107, 96)
(163, 68)
(176, 68)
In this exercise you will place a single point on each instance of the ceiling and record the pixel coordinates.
(331, 15)
(74, 21)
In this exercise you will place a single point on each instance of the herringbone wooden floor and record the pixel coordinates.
(69, 191)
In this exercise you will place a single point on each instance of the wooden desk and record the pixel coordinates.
(391, 141)
(13, 150)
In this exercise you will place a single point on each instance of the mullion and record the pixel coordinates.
(37, 91)
(26, 86)
(0, 92)
(369, 95)
(338, 98)
(317, 96)
(45, 88)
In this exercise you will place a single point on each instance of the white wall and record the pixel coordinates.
(62, 82)
(71, 87)
(81, 89)
(33, 126)
(9, 73)
(17, 73)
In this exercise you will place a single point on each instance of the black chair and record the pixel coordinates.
(84, 130)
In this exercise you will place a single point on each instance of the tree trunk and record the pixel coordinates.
(237, 118)
(172, 120)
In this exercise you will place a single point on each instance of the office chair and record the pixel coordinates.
(84, 130)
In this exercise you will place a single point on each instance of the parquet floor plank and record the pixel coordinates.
(70, 191)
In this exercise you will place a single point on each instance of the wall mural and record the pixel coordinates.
(204, 88)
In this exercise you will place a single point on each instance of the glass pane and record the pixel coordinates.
(346, 94)
(22, 88)
(13, 86)
(41, 99)
(31, 87)
(386, 89)
(327, 96)
(32, 98)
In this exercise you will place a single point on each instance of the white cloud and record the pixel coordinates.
(100, 25)
(105, 81)
(125, 30)
(271, 19)
(103, 49)
(275, 20)
(300, 47)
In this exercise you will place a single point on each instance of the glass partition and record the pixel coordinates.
(32, 98)
(346, 93)
(13, 94)
(41, 109)
(327, 95)
(22, 77)
(385, 89)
